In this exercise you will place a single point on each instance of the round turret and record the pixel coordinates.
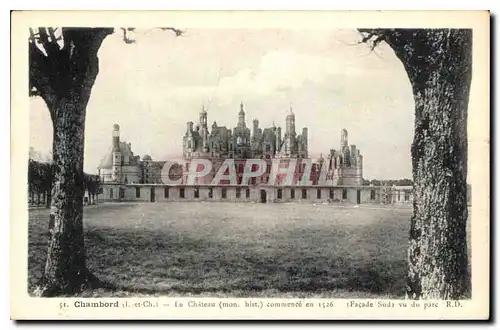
(147, 157)
(116, 138)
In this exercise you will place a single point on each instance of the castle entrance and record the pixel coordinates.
(263, 196)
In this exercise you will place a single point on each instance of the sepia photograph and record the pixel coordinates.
(284, 168)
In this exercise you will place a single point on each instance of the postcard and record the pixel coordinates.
(313, 165)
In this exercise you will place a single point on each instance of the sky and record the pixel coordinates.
(153, 87)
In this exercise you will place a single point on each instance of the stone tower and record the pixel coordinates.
(204, 129)
(343, 138)
(278, 139)
(203, 117)
(290, 134)
(241, 116)
(117, 155)
(255, 129)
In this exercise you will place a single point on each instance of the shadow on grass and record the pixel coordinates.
(152, 263)
(299, 259)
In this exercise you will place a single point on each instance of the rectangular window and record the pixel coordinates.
(254, 180)
(122, 193)
(304, 193)
(318, 193)
(292, 193)
(344, 193)
(407, 196)
(110, 192)
(224, 192)
(280, 193)
(137, 192)
(210, 193)
(166, 192)
(196, 193)
(238, 192)
(247, 193)
(181, 193)
(331, 193)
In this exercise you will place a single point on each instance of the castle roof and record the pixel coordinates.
(107, 161)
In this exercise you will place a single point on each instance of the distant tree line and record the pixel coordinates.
(399, 182)
(40, 178)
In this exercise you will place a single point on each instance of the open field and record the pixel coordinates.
(221, 249)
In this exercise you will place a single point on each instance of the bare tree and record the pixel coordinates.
(439, 65)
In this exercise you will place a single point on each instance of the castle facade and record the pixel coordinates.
(121, 165)
(345, 166)
(338, 177)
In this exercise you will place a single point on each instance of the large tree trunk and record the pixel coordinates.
(439, 63)
(64, 78)
(65, 269)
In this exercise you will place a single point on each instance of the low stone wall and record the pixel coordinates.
(256, 194)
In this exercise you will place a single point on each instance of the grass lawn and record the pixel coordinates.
(241, 250)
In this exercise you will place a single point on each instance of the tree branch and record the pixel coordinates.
(40, 74)
(51, 46)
